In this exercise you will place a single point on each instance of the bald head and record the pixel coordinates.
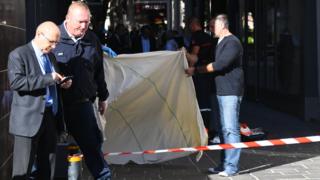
(48, 27)
(76, 5)
(47, 36)
(78, 19)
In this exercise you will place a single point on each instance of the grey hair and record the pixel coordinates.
(224, 19)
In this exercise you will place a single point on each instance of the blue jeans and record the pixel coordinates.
(229, 107)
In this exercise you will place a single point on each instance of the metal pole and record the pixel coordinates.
(130, 11)
(176, 11)
(318, 54)
(169, 14)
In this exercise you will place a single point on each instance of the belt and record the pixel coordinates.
(81, 100)
(48, 109)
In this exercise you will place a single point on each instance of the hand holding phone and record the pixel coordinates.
(66, 78)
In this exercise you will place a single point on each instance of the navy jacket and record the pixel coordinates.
(84, 61)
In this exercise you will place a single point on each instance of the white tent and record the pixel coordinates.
(152, 105)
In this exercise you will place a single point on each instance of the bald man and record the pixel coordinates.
(35, 110)
(79, 54)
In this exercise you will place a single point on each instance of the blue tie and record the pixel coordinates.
(52, 98)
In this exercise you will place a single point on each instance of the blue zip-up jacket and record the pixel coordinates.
(84, 61)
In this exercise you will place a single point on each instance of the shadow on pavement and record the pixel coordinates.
(277, 124)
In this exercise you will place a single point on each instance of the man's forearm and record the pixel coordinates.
(204, 69)
(192, 59)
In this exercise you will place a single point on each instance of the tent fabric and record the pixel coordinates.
(152, 105)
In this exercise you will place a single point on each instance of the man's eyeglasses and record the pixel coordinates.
(50, 41)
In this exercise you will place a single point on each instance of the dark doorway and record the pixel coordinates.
(271, 33)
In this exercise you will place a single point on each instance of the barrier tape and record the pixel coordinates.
(241, 145)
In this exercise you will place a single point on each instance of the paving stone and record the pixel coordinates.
(287, 177)
(301, 161)
(287, 170)
(313, 175)
(238, 177)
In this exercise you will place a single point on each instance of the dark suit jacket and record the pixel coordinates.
(137, 44)
(29, 90)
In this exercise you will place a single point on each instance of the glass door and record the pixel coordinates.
(247, 34)
(271, 35)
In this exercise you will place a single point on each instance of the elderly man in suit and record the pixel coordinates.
(35, 111)
(229, 81)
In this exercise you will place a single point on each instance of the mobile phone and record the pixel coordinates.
(67, 78)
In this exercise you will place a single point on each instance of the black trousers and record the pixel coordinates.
(203, 85)
(82, 125)
(38, 150)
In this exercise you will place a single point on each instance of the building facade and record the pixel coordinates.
(281, 56)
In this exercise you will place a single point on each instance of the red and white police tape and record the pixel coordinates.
(252, 144)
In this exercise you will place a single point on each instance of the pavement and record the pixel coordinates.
(300, 161)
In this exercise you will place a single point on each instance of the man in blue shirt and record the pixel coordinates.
(145, 42)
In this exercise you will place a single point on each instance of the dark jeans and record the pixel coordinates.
(203, 86)
(82, 125)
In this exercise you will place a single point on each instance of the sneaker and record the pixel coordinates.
(225, 174)
(245, 130)
(215, 140)
(106, 174)
(215, 170)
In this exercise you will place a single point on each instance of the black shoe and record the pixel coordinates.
(215, 170)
